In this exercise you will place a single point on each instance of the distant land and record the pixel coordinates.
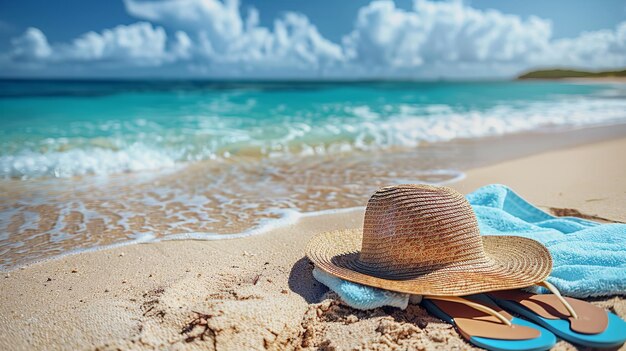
(570, 73)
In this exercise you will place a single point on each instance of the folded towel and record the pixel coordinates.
(589, 258)
(360, 296)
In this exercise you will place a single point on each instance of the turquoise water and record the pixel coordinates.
(63, 129)
(215, 160)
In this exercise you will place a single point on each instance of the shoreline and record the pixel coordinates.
(589, 80)
(257, 292)
(490, 151)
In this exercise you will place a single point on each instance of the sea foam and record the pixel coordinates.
(77, 162)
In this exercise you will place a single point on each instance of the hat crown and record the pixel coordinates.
(418, 228)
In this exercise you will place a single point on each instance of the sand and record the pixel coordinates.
(258, 292)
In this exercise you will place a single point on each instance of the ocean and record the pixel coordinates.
(89, 164)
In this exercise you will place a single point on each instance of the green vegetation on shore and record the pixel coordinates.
(569, 73)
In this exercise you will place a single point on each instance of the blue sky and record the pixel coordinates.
(308, 39)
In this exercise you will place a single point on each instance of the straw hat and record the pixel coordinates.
(422, 239)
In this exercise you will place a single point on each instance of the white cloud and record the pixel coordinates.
(450, 37)
(433, 39)
(599, 49)
(32, 45)
(219, 21)
(138, 44)
(442, 32)
(294, 43)
(225, 42)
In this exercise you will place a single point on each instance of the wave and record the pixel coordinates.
(357, 128)
(77, 162)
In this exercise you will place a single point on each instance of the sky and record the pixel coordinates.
(304, 39)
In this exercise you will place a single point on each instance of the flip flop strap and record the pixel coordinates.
(474, 305)
(556, 293)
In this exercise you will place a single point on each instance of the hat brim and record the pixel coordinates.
(511, 262)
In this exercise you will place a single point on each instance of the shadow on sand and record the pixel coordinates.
(302, 282)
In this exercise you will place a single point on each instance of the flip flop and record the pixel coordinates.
(484, 324)
(573, 320)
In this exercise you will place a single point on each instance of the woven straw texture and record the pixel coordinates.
(423, 239)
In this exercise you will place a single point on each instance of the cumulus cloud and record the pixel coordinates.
(433, 39)
(140, 43)
(442, 32)
(225, 41)
(600, 49)
(32, 45)
(137, 44)
(220, 21)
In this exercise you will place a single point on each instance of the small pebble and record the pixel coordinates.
(49, 279)
(74, 270)
(122, 254)
(352, 319)
(436, 336)
(106, 290)
(284, 291)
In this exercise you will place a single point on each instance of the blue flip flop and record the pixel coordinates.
(573, 320)
(481, 322)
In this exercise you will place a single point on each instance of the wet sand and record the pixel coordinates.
(258, 292)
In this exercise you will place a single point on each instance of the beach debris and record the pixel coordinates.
(149, 306)
(572, 212)
(121, 254)
(74, 270)
(49, 279)
(246, 253)
(204, 330)
(598, 199)
(256, 279)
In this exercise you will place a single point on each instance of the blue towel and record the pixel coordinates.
(589, 258)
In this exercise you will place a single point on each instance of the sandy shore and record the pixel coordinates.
(258, 292)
